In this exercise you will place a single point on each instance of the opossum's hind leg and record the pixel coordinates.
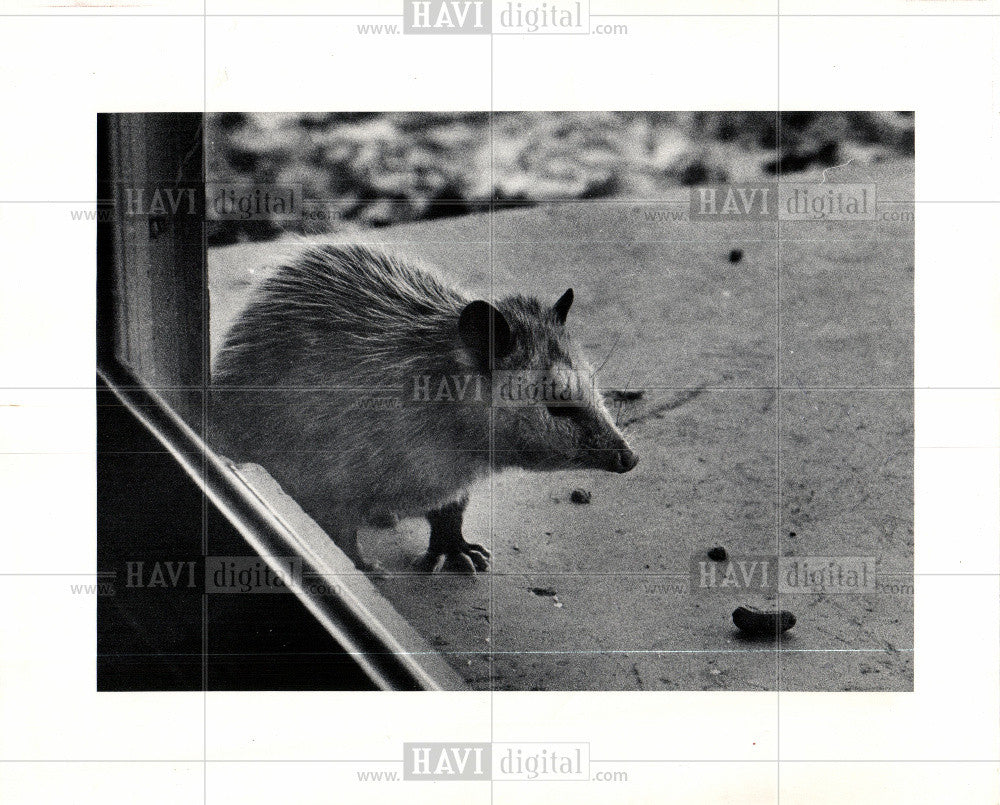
(448, 551)
(347, 541)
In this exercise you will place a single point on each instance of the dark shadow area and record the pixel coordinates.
(150, 616)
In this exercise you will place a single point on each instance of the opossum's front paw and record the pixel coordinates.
(469, 558)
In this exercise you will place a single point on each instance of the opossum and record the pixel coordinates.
(366, 385)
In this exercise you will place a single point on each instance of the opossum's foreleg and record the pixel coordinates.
(448, 551)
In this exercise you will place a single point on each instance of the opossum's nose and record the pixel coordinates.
(624, 460)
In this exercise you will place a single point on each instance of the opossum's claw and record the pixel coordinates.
(464, 562)
(480, 556)
(467, 559)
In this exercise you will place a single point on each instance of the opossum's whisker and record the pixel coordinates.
(612, 352)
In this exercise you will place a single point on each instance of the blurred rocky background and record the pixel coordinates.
(362, 170)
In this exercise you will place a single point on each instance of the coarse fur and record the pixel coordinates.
(316, 381)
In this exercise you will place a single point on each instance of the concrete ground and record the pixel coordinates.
(819, 464)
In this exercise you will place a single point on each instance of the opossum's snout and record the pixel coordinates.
(601, 444)
(618, 457)
(623, 460)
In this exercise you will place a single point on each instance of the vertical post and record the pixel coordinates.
(157, 175)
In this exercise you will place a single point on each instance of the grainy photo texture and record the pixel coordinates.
(509, 401)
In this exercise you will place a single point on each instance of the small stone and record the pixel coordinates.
(718, 554)
(580, 496)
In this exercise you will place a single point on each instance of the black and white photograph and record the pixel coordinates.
(584, 400)
(500, 402)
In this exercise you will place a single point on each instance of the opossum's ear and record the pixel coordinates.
(561, 307)
(474, 329)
